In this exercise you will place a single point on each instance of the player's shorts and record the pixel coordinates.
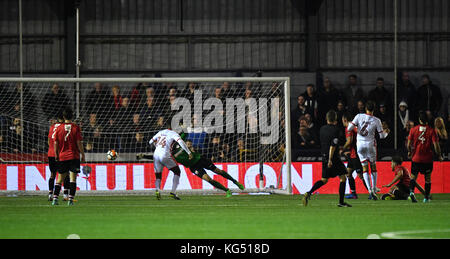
(69, 166)
(53, 165)
(338, 168)
(423, 168)
(161, 160)
(354, 163)
(199, 168)
(367, 152)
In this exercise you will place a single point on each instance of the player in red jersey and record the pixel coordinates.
(68, 147)
(402, 177)
(53, 165)
(353, 162)
(421, 141)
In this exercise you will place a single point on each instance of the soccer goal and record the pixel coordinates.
(240, 123)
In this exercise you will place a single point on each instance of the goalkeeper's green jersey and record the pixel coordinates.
(183, 158)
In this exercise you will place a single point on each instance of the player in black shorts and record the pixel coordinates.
(52, 163)
(353, 162)
(332, 165)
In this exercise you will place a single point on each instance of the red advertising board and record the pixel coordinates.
(140, 176)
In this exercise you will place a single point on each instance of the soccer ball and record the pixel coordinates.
(111, 155)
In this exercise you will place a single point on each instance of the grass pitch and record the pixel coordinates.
(216, 217)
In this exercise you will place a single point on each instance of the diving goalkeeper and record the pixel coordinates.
(198, 164)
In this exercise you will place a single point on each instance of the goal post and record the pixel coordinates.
(239, 123)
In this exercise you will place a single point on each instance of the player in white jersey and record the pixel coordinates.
(162, 157)
(366, 145)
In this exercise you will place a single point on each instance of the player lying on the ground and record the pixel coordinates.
(198, 164)
(400, 191)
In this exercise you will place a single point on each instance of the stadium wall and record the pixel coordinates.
(139, 176)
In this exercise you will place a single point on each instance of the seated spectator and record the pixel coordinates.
(218, 93)
(299, 111)
(245, 154)
(96, 100)
(116, 98)
(303, 122)
(137, 94)
(225, 153)
(214, 149)
(429, 97)
(226, 90)
(306, 140)
(442, 134)
(54, 101)
(312, 128)
(124, 114)
(361, 107)
(149, 113)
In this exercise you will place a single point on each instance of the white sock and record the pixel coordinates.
(367, 180)
(374, 180)
(158, 184)
(176, 181)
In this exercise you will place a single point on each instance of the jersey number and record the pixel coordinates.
(363, 130)
(421, 138)
(67, 128)
(162, 141)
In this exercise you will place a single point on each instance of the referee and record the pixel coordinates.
(332, 165)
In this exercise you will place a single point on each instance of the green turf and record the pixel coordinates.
(214, 216)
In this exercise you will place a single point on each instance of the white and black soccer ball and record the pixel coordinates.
(111, 155)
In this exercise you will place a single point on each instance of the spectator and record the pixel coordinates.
(306, 140)
(93, 133)
(403, 115)
(299, 111)
(218, 93)
(406, 92)
(402, 122)
(311, 125)
(442, 134)
(244, 154)
(340, 110)
(429, 97)
(96, 101)
(380, 95)
(124, 114)
(149, 113)
(303, 122)
(353, 93)
(137, 94)
(214, 149)
(116, 98)
(136, 124)
(225, 153)
(311, 100)
(328, 97)
(138, 145)
(226, 90)
(190, 91)
(383, 114)
(386, 145)
(361, 107)
(54, 101)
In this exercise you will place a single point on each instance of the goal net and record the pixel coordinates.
(238, 123)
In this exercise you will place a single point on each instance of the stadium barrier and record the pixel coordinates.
(140, 176)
